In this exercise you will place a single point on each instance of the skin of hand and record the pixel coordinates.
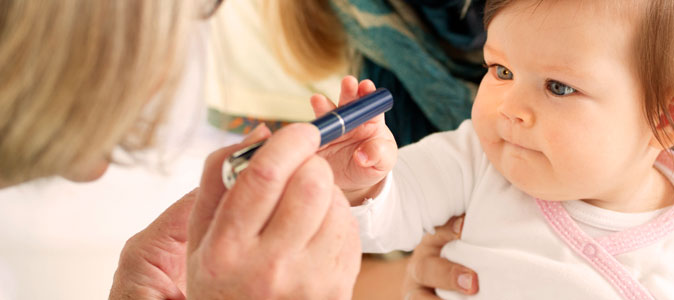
(362, 158)
(153, 262)
(284, 230)
(426, 270)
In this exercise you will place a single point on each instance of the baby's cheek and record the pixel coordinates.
(484, 119)
(581, 169)
(567, 153)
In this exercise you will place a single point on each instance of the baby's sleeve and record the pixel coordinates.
(432, 181)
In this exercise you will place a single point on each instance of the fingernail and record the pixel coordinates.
(255, 133)
(259, 127)
(362, 157)
(458, 224)
(465, 281)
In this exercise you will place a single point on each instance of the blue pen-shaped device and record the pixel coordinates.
(331, 126)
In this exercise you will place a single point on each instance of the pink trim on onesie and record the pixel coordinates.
(593, 251)
(640, 236)
(646, 234)
(600, 252)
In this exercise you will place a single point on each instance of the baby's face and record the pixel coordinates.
(559, 113)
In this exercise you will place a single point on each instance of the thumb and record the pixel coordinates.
(379, 153)
(172, 223)
(160, 245)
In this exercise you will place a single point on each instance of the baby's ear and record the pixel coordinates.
(665, 128)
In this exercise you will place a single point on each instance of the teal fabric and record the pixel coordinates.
(406, 120)
(461, 27)
(405, 46)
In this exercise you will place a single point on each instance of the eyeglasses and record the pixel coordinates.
(210, 8)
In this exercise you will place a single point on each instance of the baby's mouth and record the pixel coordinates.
(518, 146)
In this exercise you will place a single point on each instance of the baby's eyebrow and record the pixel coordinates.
(493, 51)
(565, 69)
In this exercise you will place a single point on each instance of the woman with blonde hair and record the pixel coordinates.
(80, 77)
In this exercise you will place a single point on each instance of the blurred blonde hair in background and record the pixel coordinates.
(79, 77)
(308, 38)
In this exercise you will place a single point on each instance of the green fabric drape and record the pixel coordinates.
(427, 52)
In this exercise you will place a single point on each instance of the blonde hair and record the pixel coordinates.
(307, 37)
(654, 56)
(76, 76)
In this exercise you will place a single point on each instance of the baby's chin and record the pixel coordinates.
(551, 191)
(548, 195)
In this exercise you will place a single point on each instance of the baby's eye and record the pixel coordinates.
(503, 73)
(559, 89)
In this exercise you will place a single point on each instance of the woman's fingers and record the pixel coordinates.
(427, 270)
(250, 203)
(421, 293)
(302, 208)
(446, 233)
(260, 133)
(437, 272)
(337, 242)
(337, 218)
(349, 258)
(212, 187)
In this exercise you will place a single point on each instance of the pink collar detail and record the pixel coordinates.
(600, 252)
(599, 255)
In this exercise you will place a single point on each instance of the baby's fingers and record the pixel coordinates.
(365, 87)
(379, 154)
(349, 90)
(352, 90)
(321, 105)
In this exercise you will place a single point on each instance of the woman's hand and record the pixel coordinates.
(284, 231)
(152, 263)
(306, 248)
(361, 158)
(426, 270)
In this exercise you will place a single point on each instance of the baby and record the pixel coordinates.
(563, 172)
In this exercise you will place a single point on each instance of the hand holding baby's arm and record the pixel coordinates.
(362, 158)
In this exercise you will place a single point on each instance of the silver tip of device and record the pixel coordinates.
(231, 169)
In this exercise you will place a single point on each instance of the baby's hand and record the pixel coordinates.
(362, 158)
